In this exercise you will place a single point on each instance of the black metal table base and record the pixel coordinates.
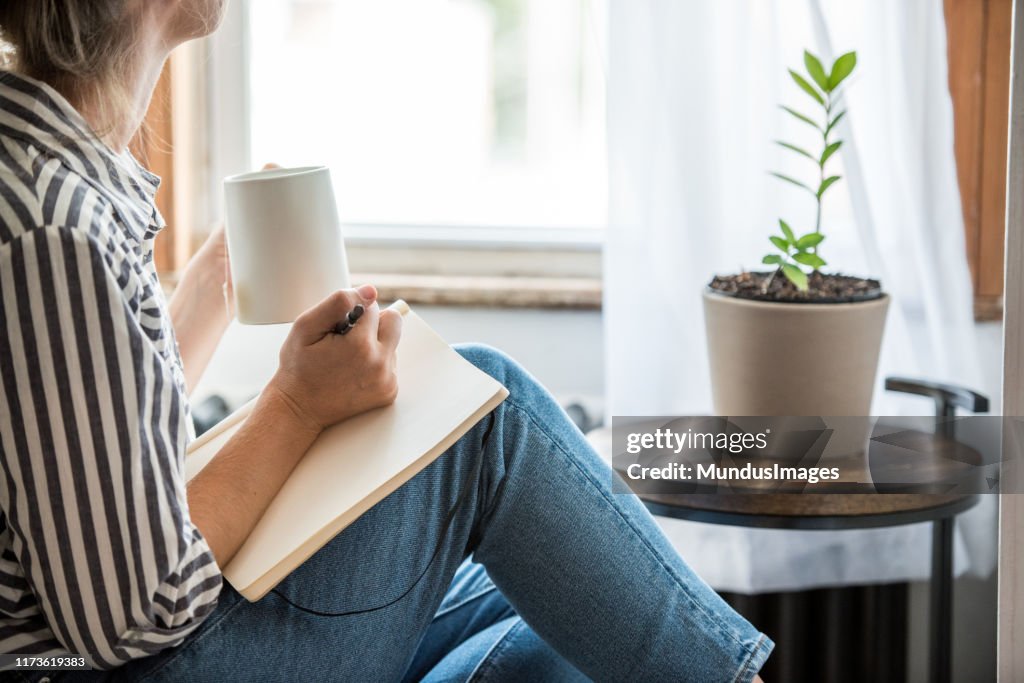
(940, 655)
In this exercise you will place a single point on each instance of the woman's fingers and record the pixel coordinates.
(367, 325)
(383, 325)
(389, 329)
(326, 315)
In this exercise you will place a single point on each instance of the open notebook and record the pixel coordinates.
(357, 463)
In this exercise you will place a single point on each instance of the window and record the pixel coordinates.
(482, 117)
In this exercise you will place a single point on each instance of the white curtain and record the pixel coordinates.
(694, 88)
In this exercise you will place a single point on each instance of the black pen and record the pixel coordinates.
(350, 320)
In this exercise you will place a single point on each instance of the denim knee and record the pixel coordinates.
(525, 392)
(494, 362)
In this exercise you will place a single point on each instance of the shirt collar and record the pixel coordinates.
(36, 113)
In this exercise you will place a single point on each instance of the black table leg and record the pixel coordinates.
(941, 617)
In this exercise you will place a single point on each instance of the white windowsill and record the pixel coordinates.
(478, 253)
(473, 237)
(487, 292)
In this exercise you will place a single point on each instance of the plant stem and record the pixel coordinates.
(821, 165)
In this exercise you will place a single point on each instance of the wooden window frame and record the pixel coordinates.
(978, 47)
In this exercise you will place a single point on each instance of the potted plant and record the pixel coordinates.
(794, 340)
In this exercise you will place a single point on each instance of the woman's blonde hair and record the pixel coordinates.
(82, 48)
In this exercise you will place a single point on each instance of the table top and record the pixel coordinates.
(782, 510)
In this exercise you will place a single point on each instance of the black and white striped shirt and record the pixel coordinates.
(98, 556)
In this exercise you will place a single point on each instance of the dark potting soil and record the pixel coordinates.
(821, 288)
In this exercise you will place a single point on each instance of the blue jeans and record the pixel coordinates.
(568, 581)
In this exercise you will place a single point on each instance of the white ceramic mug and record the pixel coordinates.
(285, 242)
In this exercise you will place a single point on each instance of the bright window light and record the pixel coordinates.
(484, 113)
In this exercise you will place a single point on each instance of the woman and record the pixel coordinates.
(105, 553)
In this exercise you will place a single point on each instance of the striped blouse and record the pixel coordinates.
(98, 556)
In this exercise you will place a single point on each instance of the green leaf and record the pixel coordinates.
(791, 180)
(810, 240)
(787, 231)
(796, 149)
(829, 151)
(807, 87)
(796, 276)
(808, 259)
(817, 71)
(842, 68)
(806, 119)
(772, 260)
(780, 243)
(833, 122)
(827, 183)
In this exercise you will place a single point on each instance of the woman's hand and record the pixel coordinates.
(203, 305)
(325, 377)
(213, 265)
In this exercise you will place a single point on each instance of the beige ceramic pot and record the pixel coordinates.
(770, 358)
